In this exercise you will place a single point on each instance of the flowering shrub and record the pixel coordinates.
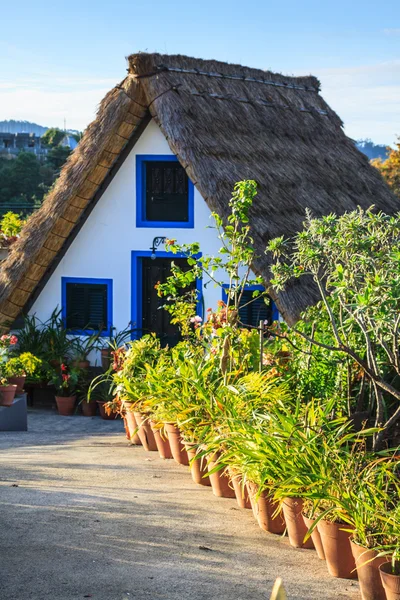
(65, 380)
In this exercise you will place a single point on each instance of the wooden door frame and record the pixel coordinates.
(137, 285)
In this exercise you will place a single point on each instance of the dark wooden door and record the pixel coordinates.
(154, 318)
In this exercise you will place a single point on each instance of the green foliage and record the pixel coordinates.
(11, 224)
(24, 364)
(25, 180)
(233, 262)
(354, 260)
(53, 137)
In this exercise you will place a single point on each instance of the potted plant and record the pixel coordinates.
(390, 575)
(81, 347)
(112, 344)
(7, 390)
(65, 381)
(19, 367)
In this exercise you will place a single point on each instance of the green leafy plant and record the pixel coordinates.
(354, 261)
(24, 364)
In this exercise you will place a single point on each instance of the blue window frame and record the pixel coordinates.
(137, 286)
(141, 221)
(252, 288)
(84, 284)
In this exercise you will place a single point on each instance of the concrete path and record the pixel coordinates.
(83, 515)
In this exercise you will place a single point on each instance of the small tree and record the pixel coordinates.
(354, 260)
(233, 262)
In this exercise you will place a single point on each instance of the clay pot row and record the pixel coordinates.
(66, 408)
(344, 558)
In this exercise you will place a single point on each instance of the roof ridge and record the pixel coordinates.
(245, 78)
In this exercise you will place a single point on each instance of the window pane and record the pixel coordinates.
(254, 312)
(167, 197)
(86, 306)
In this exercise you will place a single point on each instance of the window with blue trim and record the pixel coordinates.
(87, 305)
(164, 192)
(252, 310)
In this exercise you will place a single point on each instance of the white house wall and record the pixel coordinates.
(103, 247)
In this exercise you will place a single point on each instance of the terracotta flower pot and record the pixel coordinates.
(19, 382)
(127, 434)
(145, 433)
(241, 491)
(337, 549)
(176, 444)
(316, 537)
(7, 394)
(390, 582)
(89, 409)
(66, 405)
(132, 427)
(81, 364)
(296, 528)
(220, 480)
(162, 442)
(198, 466)
(264, 510)
(369, 577)
(103, 413)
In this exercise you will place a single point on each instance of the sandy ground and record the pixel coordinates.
(83, 515)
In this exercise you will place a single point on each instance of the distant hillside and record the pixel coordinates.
(22, 127)
(372, 150)
(13, 126)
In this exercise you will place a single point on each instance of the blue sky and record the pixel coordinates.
(59, 58)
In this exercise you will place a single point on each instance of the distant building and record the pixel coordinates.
(13, 143)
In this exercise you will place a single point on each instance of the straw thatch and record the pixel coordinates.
(225, 123)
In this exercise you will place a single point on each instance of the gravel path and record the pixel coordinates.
(83, 515)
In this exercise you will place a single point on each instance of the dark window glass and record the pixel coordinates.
(257, 310)
(167, 197)
(86, 306)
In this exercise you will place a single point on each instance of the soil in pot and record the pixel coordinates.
(296, 528)
(176, 444)
(198, 466)
(316, 537)
(390, 582)
(145, 433)
(241, 491)
(66, 405)
(132, 427)
(89, 409)
(220, 480)
(368, 574)
(337, 549)
(7, 394)
(264, 510)
(19, 382)
(103, 413)
(162, 442)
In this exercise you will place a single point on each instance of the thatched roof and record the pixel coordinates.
(225, 123)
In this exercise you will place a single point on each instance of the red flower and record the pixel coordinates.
(66, 377)
(64, 367)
